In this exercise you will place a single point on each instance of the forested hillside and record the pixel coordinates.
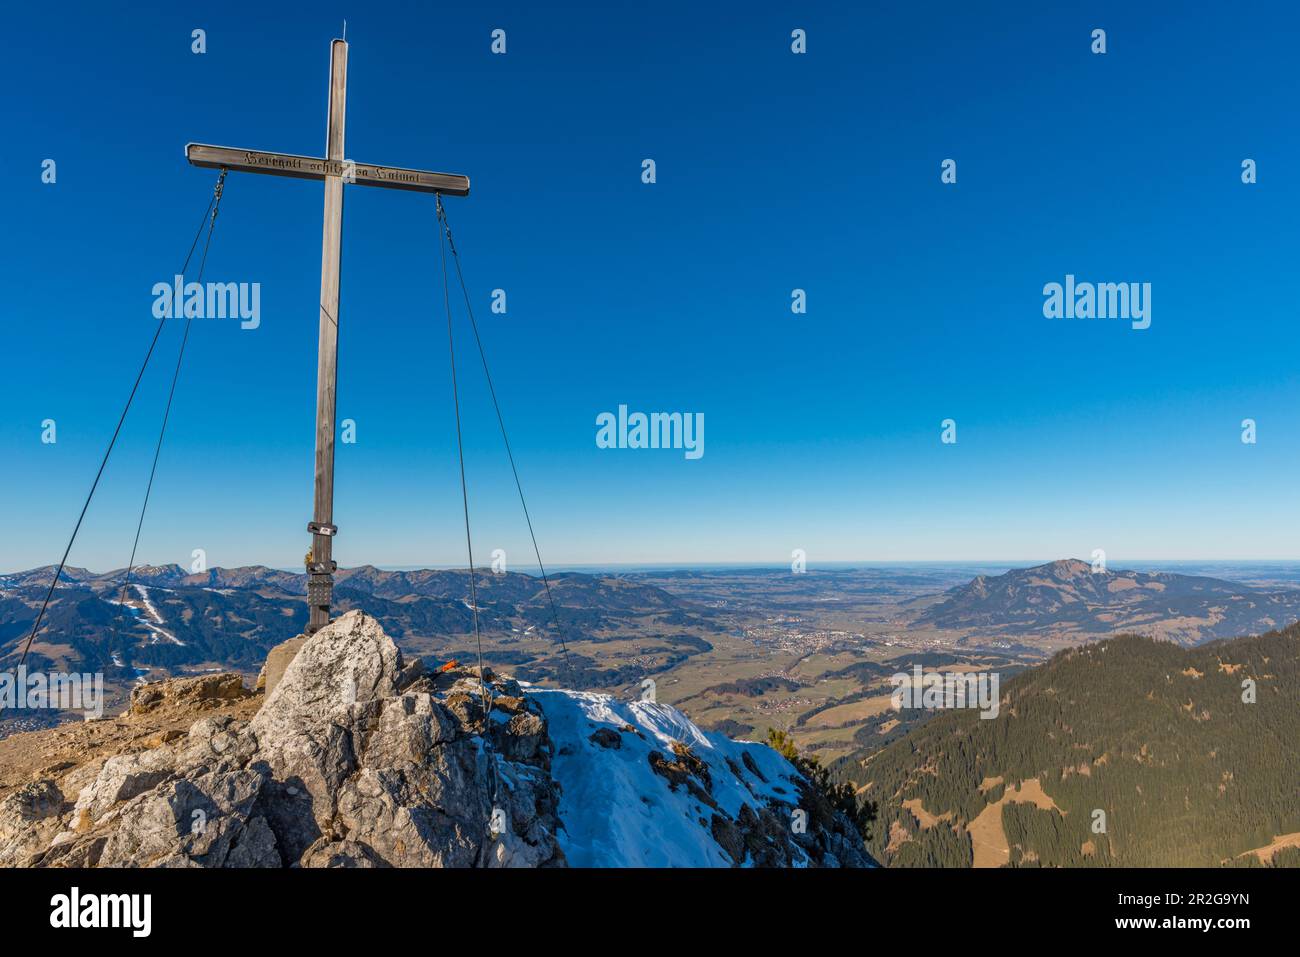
(1167, 742)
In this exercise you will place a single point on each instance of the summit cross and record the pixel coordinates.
(335, 171)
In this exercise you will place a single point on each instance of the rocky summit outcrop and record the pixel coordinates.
(358, 758)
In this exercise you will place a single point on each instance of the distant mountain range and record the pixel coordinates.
(1068, 597)
(175, 621)
(365, 579)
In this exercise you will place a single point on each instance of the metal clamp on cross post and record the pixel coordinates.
(334, 170)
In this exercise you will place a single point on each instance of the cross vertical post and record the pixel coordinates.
(321, 565)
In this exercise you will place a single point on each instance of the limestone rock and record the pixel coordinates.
(120, 779)
(192, 821)
(305, 730)
(341, 854)
(277, 660)
(339, 768)
(197, 692)
(29, 820)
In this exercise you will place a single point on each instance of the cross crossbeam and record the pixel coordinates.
(312, 167)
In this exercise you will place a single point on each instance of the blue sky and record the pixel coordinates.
(775, 171)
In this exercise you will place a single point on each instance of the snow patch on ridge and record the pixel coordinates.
(617, 812)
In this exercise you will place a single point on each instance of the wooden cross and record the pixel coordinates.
(335, 171)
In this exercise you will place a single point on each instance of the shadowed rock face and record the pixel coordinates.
(353, 761)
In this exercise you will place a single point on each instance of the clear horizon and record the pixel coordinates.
(1121, 565)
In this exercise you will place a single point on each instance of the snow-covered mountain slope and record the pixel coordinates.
(642, 786)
